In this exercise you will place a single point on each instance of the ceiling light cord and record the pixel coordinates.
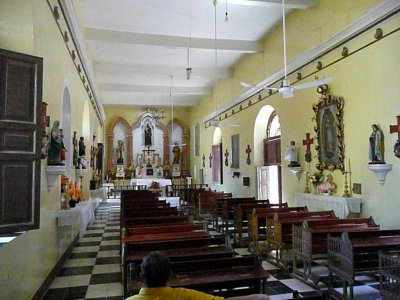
(226, 11)
(284, 37)
(216, 57)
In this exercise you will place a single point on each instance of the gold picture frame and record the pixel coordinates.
(329, 129)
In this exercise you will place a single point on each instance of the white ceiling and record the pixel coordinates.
(136, 45)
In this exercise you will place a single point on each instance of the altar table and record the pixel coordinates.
(340, 205)
(148, 181)
(173, 201)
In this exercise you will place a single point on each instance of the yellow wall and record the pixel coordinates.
(28, 27)
(368, 81)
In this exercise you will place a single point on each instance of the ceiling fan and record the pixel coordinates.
(286, 89)
(215, 121)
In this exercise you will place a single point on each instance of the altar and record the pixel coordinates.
(340, 205)
(147, 181)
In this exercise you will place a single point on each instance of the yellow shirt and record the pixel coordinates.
(168, 293)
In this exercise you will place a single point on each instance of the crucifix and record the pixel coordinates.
(307, 142)
(210, 158)
(204, 158)
(226, 157)
(248, 151)
(393, 129)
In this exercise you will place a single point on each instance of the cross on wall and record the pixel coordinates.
(307, 142)
(248, 151)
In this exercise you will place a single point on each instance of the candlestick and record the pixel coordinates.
(349, 166)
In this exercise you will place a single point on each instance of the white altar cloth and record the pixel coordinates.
(148, 181)
(173, 201)
(82, 214)
(340, 205)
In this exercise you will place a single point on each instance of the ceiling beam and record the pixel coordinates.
(171, 41)
(289, 4)
(109, 68)
(154, 88)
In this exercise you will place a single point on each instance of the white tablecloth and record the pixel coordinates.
(148, 181)
(173, 201)
(340, 205)
(82, 214)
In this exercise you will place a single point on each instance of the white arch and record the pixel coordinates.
(217, 137)
(260, 127)
(66, 126)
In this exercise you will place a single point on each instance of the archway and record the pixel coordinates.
(267, 155)
(66, 127)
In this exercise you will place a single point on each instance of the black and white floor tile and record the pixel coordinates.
(93, 270)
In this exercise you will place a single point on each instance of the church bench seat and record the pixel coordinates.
(310, 239)
(282, 224)
(257, 224)
(150, 221)
(241, 212)
(357, 253)
(165, 228)
(218, 276)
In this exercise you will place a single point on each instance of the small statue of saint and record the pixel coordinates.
(376, 147)
(55, 145)
(82, 146)
(147, 135)
(177, 154)
(120, 152)
(291, 155)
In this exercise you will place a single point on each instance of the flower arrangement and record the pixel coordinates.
(316, 177)
(74, 192)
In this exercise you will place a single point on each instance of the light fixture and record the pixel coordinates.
(155, 114)
(189, 52)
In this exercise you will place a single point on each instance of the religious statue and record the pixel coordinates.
(147, 135)
(166, 169)
(396, 148)
(291, 155)
(75, 150)
(81, 163)
(82, 146)
(376, 148)
(177, 154)
(120, 152)
(55, 145)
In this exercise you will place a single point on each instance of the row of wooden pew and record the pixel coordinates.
(199, 260)
(351, 246)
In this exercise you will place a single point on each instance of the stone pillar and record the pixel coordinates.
(185, 154)
(129, 150)
(166, 148)
(110, 154)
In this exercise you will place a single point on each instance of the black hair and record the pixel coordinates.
(155, 269)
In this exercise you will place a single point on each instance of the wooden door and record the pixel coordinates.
(20, 141)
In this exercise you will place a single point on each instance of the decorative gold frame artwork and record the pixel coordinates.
(329, 129)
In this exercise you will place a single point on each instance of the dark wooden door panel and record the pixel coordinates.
(20, 138)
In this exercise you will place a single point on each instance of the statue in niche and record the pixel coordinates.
(147, 135)
(55, 145)
(177, 154)
(376, 147)
(120, 152)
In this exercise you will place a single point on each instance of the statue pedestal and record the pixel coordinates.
(120, 171)
(79, 174)
(53, 172)
(176, 170)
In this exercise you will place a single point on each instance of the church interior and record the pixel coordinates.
(216, 111)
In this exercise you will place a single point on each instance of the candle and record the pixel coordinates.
(349, 166)
(194, 172)
(344, 168)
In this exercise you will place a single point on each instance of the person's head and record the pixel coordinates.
(155, 269)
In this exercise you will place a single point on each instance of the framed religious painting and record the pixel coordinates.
(217, 164)
(235, 151)
(197, 139)
(329, 129)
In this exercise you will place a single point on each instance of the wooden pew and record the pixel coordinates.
(357, 253)
(154, 221)
(165, 228)
(243, 210)
(309, 240)
(227, 277)
(181, 249)
(389, 275)
(257, 224)
(282, 230)
(206, 201)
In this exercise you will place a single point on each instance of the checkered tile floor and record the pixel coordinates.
(93, 271)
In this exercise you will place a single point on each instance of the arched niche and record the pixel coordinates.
(158, 130)
(174, 128)
(119, 123)
(66, 127)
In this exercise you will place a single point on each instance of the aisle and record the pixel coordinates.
(93, 269)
